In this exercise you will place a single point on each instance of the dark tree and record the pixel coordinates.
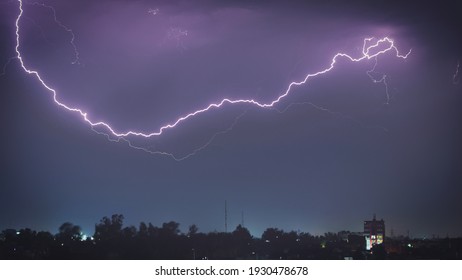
(143, 230)
(242, 243)
(193, 229)
(171, 228)
(129, 232)
(109, 229)
(69, 232)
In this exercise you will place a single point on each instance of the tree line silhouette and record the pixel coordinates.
(112, 240)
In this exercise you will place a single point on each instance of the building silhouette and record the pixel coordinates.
(374, 232)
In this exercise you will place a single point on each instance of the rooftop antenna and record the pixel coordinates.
(242, 219)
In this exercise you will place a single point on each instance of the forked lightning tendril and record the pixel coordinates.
(455, 77)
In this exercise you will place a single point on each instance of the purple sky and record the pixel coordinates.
(338, 154)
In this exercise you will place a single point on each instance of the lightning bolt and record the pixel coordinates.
(193, 152)
(76, 56)
(372, 48)
(153, 151)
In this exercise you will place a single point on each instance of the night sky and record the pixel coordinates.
(326, 158)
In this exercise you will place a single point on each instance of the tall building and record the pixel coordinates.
(374, 232)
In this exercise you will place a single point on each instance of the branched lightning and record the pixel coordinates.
(177, 34)
(6, 65)
(372, 49)
(455, 77)
(382, 80)
(60, 24)
(196, 150)
(153, 151)
(76, 56)
(335, 113)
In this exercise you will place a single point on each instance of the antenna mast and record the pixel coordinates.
(226, 217)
